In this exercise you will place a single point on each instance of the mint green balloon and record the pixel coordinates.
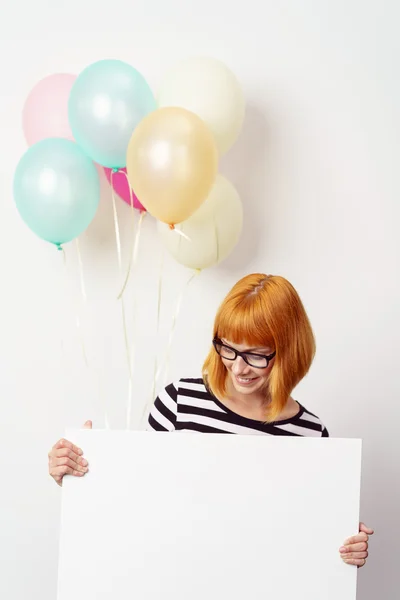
(107, 101)
(56, 190)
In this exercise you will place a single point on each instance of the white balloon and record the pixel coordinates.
(208, 88)
(211, 232)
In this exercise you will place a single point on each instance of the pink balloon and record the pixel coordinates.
(45, 112)
(122, 188)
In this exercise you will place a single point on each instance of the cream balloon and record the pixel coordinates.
(211, 232)
(172, 163)
(208, 88)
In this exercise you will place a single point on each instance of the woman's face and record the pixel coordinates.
(245, 378)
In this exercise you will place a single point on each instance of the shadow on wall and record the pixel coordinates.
(248, 166)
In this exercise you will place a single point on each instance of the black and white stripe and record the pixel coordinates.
(188, 406)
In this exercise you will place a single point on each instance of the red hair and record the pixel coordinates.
(264, 310)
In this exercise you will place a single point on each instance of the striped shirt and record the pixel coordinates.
(189, 406)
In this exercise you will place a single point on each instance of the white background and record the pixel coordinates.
(317, 169)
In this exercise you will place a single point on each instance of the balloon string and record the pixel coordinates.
(159, 297)
(182, 234)
(129, 404)
(83, 292)
(81, 275)
(116, 224)
(84, 297)
(180, 241)
(216, 239)
(119, 256)
(132, 349)
(77, 319)
(133, 240)
(130, 357)
(132, 262)
(123, 312)
(137, 238)
(166, 361)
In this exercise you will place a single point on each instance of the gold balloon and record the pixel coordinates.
(172, 163)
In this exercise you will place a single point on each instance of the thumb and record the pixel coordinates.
(88, 425)
(366, 529)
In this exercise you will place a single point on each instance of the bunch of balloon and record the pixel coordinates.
(56, 190)
(158, 156)
(107, 102)
(71, 123)
(172, 162)
(56, 186)
(211, 233)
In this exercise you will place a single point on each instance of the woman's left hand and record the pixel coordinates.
(355, 549)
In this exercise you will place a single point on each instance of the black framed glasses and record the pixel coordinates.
(258, 361)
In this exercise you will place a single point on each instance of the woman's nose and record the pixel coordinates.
(239, 365)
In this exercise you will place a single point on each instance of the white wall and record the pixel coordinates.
(316, 168)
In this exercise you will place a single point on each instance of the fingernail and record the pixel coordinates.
(80, 451)
(84, 462)
(343, 549)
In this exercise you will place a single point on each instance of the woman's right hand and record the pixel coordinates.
(67, 459)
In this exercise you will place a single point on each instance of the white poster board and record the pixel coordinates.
(164, 516)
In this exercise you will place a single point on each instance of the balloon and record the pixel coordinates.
(213, 230)
(45, 112)
(122, 187)
(172, 163)
(56, 190)
(208, 88)
(107, 101)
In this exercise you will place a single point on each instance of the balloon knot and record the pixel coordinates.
(59, 247)
(171, 226)
(115, 170)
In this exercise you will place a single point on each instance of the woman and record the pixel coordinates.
(263, 346)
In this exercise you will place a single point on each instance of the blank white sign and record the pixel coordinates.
(166, 516)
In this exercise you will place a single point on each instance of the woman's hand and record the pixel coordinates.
(355, 549)
(66, 459)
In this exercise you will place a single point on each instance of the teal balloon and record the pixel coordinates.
(107, 101)
(56, 190)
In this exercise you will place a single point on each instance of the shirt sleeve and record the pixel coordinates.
(163, 414)
(325, 432)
